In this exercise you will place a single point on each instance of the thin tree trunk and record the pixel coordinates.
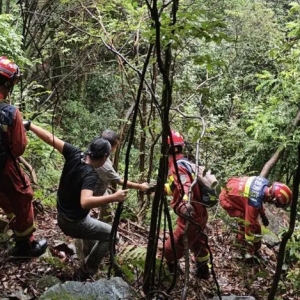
(7, 7)
(164, 65)
(265, 172)
(142, 146)
(288, 234)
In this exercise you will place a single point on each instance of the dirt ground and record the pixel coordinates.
(29, 278)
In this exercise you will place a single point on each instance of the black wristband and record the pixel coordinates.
(27, 125)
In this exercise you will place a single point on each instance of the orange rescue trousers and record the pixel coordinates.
(16, 201)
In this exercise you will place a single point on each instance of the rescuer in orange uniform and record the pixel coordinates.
(15, 190)
(194, 211)
(243, 198)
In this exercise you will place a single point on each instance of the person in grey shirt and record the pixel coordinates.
(107, 175)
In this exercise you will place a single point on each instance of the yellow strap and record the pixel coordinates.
(170, 179)
(168, 189)
(168, 185)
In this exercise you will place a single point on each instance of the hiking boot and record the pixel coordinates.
(171, 268)
(80, 275)
(261, 258)
(202, 271)
(252, 260)
(27, 248)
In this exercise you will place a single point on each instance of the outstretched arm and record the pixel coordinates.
(88, 201)
(137, 186)
(48, 137)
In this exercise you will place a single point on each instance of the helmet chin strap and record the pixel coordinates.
(268, 192)
(10, 90)
(8, 97)
(268, 197)
(9, 87)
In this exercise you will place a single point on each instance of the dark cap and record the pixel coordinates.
(98, 148)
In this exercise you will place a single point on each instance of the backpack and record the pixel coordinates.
(6, 120)
(207, 182)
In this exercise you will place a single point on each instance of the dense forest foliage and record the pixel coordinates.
(225, 73)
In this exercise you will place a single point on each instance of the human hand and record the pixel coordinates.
(143, 187)
(120, 195)
(26, 124)
(151, 189)
(186, 209)
(264, 220)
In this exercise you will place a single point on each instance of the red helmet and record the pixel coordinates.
(9, 70)
(177, 139)
(281, 193)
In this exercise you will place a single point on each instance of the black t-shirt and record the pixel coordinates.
(76, 176)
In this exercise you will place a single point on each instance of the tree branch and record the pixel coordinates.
(288, 234)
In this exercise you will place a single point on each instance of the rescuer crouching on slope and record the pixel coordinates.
(243, 198)
(194, 211)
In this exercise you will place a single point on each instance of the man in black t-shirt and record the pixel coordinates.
(75, 196)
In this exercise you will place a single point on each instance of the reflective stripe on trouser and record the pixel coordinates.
(251, 242)
(254, 242)
(18, 208)
(197, 243)
(202, 259)
(24, 234)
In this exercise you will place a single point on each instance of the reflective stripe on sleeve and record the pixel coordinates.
(247, 187)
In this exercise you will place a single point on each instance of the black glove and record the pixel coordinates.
(264, 220)
(26, 124)
(186, 209)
